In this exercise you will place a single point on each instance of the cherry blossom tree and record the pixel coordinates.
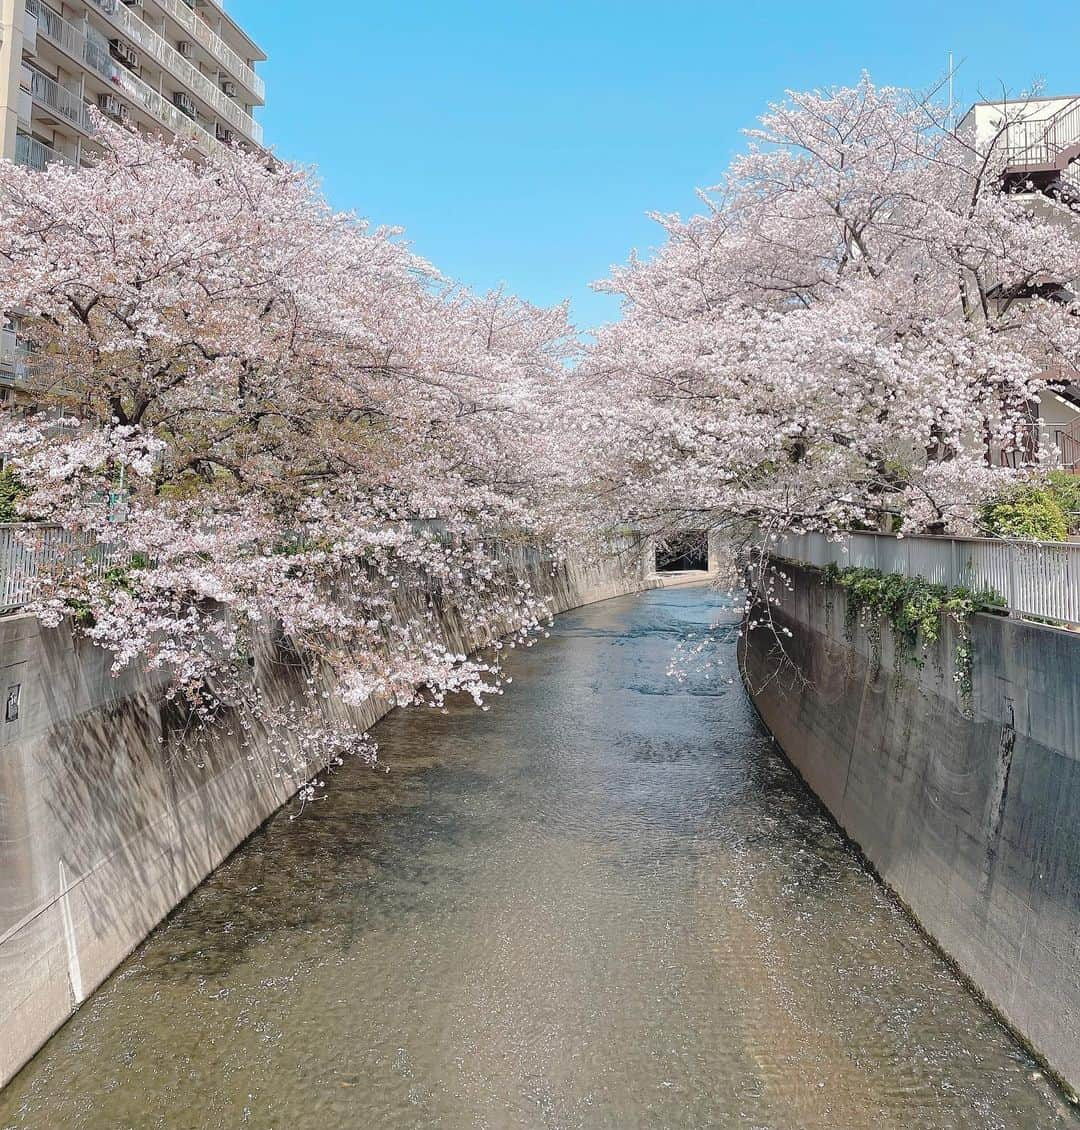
(849, 334)
(269, 416)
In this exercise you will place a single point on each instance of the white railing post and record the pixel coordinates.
(1040, 579)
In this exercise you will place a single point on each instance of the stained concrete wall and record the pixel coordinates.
(968, 805)
(107, 821)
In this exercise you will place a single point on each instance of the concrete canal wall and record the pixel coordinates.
(967, 804)
(107, 821)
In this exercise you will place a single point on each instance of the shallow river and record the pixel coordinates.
(607, 902)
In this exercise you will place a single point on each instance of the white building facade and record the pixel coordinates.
(178, 67)
(1039, 140)
(174, 67)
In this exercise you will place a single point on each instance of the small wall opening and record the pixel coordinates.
(680, 552)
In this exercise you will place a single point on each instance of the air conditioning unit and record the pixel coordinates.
(186, 48)
(110, 105)
(184, 103)
(229, 88)
(124, 53)
(225, 135)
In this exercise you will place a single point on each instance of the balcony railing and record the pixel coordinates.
(14, 356)
(204, 34)
(36, 154)
(201, 31)
(1040, 579)
(94, 52)
(72, 107)
(169, 57)
(161, 108)
(1039, 142)
(1051, 446)
(64, 102)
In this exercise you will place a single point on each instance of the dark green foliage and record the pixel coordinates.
(1046, 510)
(120, 576)
(915, 608)
(1066, 490)
(81, 611)
(10, 490)
(912, 605)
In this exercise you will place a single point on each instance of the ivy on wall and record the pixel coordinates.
(916, 610)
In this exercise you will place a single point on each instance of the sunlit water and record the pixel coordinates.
(607, 902)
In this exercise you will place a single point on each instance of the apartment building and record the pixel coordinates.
(1039, 139)
(178, 67)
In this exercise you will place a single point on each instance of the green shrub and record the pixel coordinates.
(10, 490)
(1066, 490)
(1031, 512)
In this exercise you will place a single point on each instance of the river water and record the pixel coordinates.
(607, 902)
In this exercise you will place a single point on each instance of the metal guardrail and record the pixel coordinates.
(27, 552)
(1040, 579)
(30, 550)
(36, 155)
(1035, 142)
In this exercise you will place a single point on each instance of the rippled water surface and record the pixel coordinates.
(607, 902)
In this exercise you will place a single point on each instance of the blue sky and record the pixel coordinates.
(524, 142)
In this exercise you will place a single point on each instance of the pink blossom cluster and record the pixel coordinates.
(278, 421)
(855, 331)
(275, 419)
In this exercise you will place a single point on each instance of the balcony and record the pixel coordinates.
(96, 56)
(1041, 154)
(202, 33)
(36, 154)
(1041, 444)
(171, 59)
(1036, 142)
(94, 52)
(174, 119)
(91, 51)
(14, 357)
(70, 106)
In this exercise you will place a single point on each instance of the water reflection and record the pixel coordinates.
(606, 903)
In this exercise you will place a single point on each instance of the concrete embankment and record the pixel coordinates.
(108, 818)
(966, 799)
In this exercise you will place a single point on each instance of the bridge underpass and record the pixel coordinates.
(684, 557)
